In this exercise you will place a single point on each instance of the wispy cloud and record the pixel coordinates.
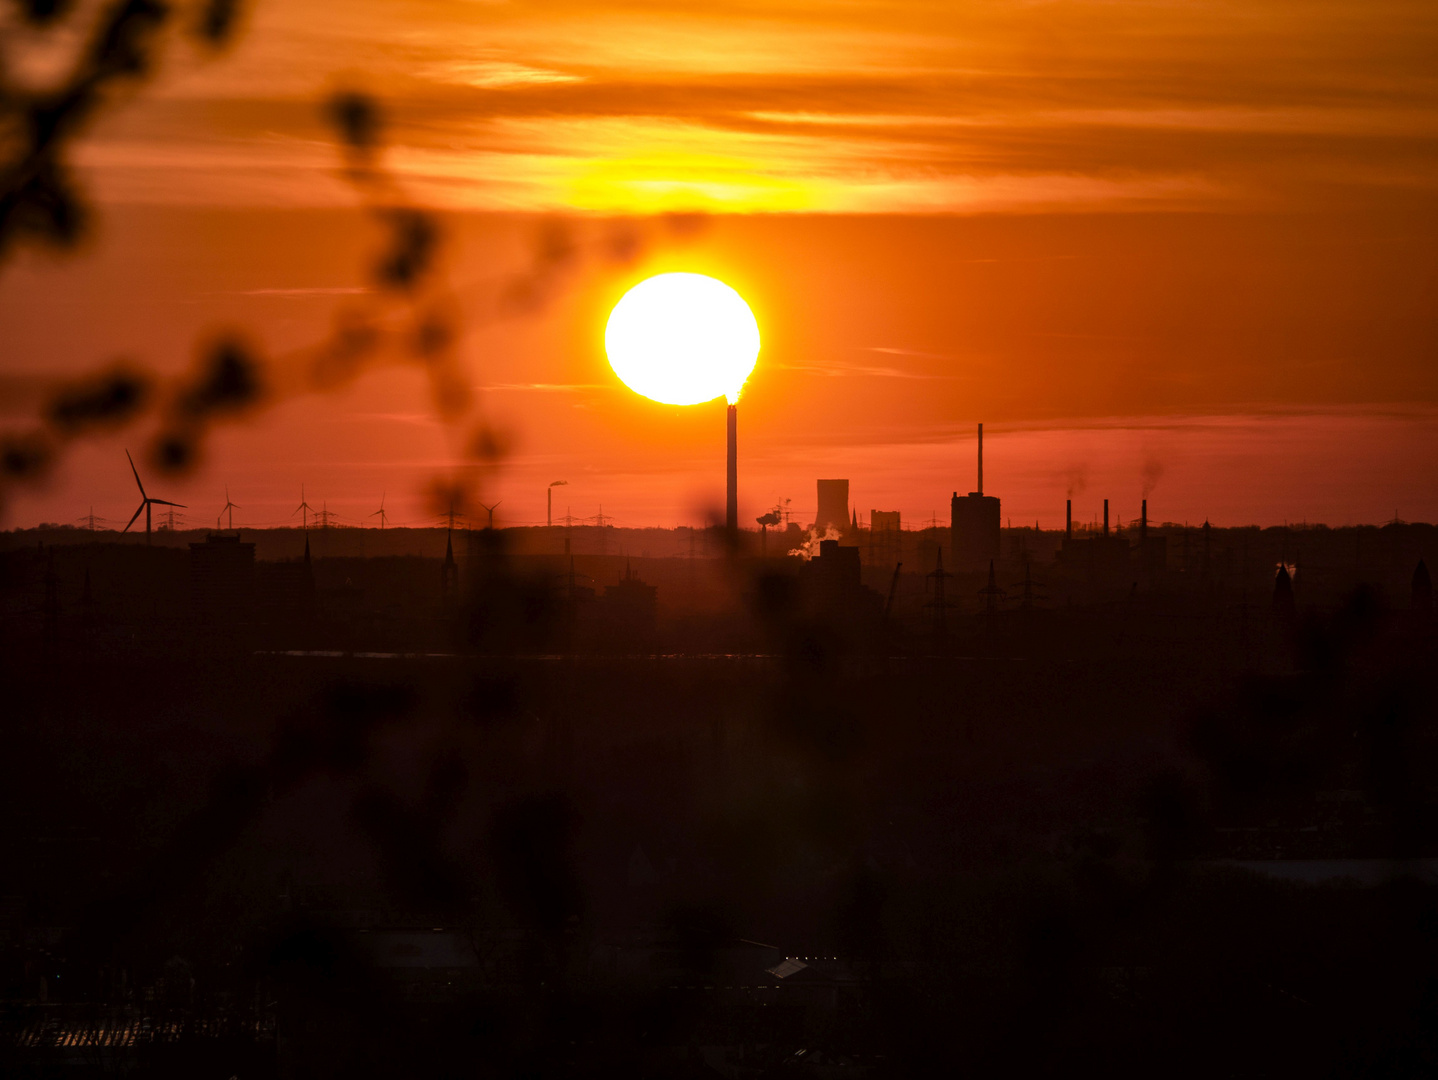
(336, 290)
(864, 106)
(839, 369)
(894, 351)
(546, 388)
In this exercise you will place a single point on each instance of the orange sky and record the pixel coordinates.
(1184, 247)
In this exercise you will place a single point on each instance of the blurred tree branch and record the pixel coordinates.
(409, 316)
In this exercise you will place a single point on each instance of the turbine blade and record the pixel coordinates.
(136, 472)
(132, 520)
(167, 502)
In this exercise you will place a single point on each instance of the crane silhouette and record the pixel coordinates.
(145, 501)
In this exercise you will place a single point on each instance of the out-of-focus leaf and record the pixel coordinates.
(125, 41)
(412, 247)
(25, 457)
(357, 119)
(230, 380)
(41, 12)
(105, 400)
(217, 21)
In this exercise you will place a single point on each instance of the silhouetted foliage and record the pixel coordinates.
(175, 452)
(25, 457)
(412, 248)
(41, 12)
(229, 380)
(356, 117)
(106, 400)
(218, 19)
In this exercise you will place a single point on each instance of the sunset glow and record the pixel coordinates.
(681, 339)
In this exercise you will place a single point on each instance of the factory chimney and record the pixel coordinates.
(981, 459)
(1069, 520)
(1105, 517)
(731, 508)
(1143, 524)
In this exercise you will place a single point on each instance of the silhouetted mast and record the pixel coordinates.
(731, 505)
(980, 488)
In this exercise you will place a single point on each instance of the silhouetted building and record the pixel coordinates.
(1152, 551)
(222, 577)
(974, 523)
(884, 536)
(289, 587)
(834, 576)
(448, 572)
(884, 521)
(833, 506)
(630, 605)
(1283, 593)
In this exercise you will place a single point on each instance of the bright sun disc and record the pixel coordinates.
(682, 339)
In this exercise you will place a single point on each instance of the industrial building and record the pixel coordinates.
(222, 577)
(835, 577)
(833, 506)
(885, 536)
(974, 524)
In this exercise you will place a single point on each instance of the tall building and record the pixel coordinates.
(222, 577)
(835, 577)
(884, 521)
(884, 536)
(833, 506)
(974, 523)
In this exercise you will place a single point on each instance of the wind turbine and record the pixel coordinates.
(491, 510)
(380, 512)
(145, 501)
(306, 507)
(230, 508)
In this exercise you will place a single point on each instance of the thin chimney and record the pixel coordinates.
(981, 459)
(1069, 520)
(1105, 517)
(1143, 523)
(731, 504)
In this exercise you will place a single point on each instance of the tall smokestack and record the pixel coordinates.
(1069, 520)
(731, 508)
(1143, 523)
(981, 459)
(1105, 517)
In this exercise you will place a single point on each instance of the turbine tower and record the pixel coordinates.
(305, 507)
(230, 509)
(145, 501)
(380, 512)
(491, 510)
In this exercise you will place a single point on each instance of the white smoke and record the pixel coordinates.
(810, 547)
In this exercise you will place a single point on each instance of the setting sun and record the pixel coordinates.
(682, 338)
